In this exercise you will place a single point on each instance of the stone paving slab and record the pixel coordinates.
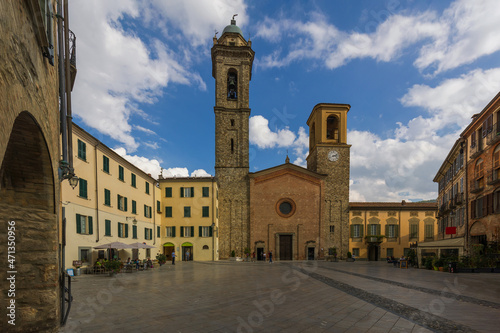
(226, 297)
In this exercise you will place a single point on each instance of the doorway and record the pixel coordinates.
(187, 252)
(373, 252)
(285, 247)
(310, 253)
(260, 253)
(168, 248)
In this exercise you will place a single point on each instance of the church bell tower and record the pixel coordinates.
(232, 59)
(329, 154)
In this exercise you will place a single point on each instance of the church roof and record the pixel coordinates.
(233, 28)
(286, 166)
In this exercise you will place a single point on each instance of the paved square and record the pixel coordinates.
(285, 297)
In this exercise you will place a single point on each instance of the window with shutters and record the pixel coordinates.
(187, 192)
(391, 232)
(170, 232)
(168, 192)
(187, 231)
(122, 203)
(107, 227)
(496, 202)
(85, 254)
(147, 211)
(158, 206)
(120, 230)
(147, 188)
(105, 164)
(148, 233)
(187, 211)
(205, 211)
(356, 230)
(168, 211)
(107, 197)
(355, 251)
(390, 252)
(429, 232)
(84, 224)
(413, 231)
(373, 230)
(121, 173)
(206, 192)
(205, 231)
(134, 232)
(158, 231)
(473, 140)
(496, 164)
(133, 180)
(82, 188)
(82, 150)
(134, 207)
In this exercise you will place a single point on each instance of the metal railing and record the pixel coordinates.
(477, 185)
(72, 48)
(494, 134)
(493, 176)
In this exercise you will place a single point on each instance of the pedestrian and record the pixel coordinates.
(253, 256)
(264, 256)
(187, 255)
(271, 257)
(173, 257)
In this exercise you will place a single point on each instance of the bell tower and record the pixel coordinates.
(329, 154)
(232, 59)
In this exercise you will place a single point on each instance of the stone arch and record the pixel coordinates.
(27, 202)
(333, 128)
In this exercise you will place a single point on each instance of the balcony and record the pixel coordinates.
(451, 204)
(477, 185)
(493, 177)
(493, 136)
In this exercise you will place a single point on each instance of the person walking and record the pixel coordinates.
(271, 257)
(264, 256)
(187, 255)
(173, 257)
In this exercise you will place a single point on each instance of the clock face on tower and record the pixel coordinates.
(333, 155)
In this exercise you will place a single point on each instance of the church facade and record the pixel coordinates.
(297, 213)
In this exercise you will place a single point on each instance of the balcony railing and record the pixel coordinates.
(493, 136)
(452, 204)
(72, 57)
(493, 177)
(476, 185)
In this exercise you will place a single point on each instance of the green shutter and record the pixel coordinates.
(168, 192)
(173, 231)
(134, 231)
(145, 211)
(78, 224)
(396, 230)
(378, 229)
(134, 207)
(361, 231)
(386, 230)
(158, 231)
(150, 233)
(107, 227)
(145, 233)
(182, 231)
(206, 192)
(168, 211)
(125, 201)
(126, 230)
(210, 231)
(205, 211)
(91, 229)
(182, 192)
(192, 191)
(192, 231)
(200, 229)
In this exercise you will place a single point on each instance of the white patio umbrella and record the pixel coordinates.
(113, 245)
(140, 246)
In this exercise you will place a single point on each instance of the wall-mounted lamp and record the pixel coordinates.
(133, 219)
(65, 172)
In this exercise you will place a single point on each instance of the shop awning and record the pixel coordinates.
(444, 243)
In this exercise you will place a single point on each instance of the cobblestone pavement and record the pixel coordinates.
(309, 296)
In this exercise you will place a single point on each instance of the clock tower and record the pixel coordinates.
(232, 59)
(329, 154)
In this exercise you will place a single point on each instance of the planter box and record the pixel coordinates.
(232, 258)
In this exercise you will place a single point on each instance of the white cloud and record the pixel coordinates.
(200, 173)
(117, 70)
(175, 172)
(147, 165)
(262, 136)
(145, 130)
(463, 33)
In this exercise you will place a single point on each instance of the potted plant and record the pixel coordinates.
(233, 256)
(349, 257)
(162, 259)
(112, 266)
(77, 264)
(247, 254)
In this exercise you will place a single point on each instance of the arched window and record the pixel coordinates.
(232, 84)
(332, 128)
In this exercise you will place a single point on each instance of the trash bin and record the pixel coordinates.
(452, 266)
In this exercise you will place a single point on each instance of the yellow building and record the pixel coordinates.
(190, 218)
(113, 202)
(383, 229)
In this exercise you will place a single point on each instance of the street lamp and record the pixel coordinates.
(66, 172)
(131, 218)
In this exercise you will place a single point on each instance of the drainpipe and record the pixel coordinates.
(68, 86)
(96, 194)
(466, 241)
(154, 216)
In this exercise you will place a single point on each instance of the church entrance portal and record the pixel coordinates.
(285, 247)
(260, 253)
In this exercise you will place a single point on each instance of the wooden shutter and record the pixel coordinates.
(192, 231)
(158, 231)
(107, 227)
(379, 229)
(473, 209)
(361, 230)
(145, 233)
(134, 231)
(173, 231)
(210, 231)
(192, 191)
(386, 230)
(126, 230)
(182, 231)
(78, 224)
(182, 192)
(496, 159)
(200, 229)
(396, 231)
(485, 206)
(473, 139)
(125, 202)
(91, 229)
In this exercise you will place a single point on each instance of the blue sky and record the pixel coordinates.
(414, 72)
